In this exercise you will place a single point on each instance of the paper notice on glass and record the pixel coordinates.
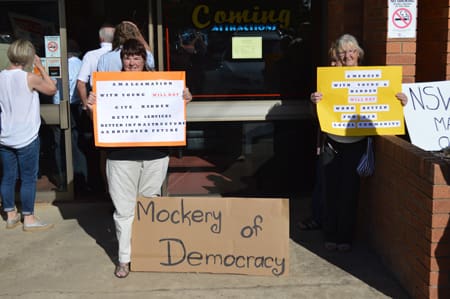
(139, 109)
(246, 47)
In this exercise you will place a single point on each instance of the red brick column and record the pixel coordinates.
(402, 52)
(432, 41)
(381, 50)
(405, 214)
(344, 17)
(447, 69)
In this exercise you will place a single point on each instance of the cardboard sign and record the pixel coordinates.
(427, 114)
(213, 235)
(139, 109)
(360, 101)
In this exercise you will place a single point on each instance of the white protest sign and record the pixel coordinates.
(139, 109)
(427, 114)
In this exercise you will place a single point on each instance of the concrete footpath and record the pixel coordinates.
(76, 260)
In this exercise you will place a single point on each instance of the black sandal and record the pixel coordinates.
(122, 270)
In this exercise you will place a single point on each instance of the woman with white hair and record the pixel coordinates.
(341, 178)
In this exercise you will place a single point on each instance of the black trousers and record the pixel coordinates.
(342, 190)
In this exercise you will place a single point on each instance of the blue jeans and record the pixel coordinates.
(20, 163)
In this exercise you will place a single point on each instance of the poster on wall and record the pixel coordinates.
(427, 114)
(360, 101)
(402, 17)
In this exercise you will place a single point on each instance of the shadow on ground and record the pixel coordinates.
(361, 262)
(96, 222)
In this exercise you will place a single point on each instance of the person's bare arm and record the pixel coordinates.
(139, 36)
(42, 82)
(90, 103)
(82, 92)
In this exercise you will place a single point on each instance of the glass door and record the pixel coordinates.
(249, 67)
(43, 23)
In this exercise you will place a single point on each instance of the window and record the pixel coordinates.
(239, 49)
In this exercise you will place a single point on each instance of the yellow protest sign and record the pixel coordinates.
(360, 101)
(214, 235)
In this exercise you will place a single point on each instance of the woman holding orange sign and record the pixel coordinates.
(133, 171)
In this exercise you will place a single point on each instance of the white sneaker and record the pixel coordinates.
(13, 222)
(37, 225)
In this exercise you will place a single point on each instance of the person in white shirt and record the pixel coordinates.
(90, 60)
(84, 85)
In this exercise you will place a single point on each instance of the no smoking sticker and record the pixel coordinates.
(52, 46)
(402, 18)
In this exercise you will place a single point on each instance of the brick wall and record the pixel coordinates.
(404, 215)
(387, 51)
(374, 39)
(344, 17)
(405, 207)
(367, 21)
(432, 41)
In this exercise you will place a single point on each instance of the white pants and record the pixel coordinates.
(126, 181)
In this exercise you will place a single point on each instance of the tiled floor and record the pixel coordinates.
(218, 174)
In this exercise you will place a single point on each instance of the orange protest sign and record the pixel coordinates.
(139, 109)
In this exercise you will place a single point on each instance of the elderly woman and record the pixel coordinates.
(341, 179)
(19, 140)
(132, 172)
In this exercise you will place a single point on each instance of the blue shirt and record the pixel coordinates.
(111, 62)
(74, 68)
(74, 65)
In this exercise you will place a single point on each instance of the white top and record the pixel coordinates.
(90, 60)
(20, 111)
(111, 62)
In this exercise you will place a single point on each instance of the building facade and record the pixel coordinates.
(251, 129)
